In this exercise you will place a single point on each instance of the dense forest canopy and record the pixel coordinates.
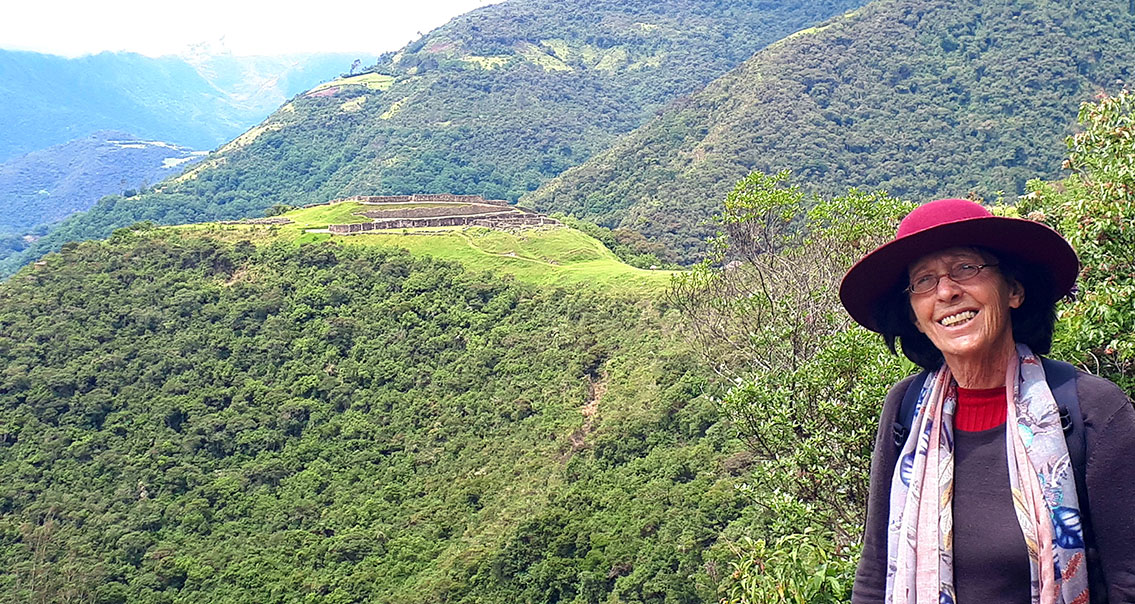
(184, 420)
(922, 98)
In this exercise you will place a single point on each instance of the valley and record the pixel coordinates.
(541, 307)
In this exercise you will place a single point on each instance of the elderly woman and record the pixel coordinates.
(978, 498)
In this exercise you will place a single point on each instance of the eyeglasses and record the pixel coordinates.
(962, 271)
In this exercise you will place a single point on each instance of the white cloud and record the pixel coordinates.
(259, 27)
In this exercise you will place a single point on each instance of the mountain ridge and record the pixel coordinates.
(923, 98)
(50, 184)
(491, 116)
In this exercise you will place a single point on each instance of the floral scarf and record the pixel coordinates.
(920, 561)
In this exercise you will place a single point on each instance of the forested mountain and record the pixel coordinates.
(48, 185)
(188, 420)
(257, 412)
(494, 103)
(498, 100)
(923, 98)
(199, 102)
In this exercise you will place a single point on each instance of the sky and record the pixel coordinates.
(245, 27)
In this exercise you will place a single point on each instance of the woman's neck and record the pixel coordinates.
(984, 370)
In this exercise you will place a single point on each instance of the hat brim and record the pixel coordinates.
(1030, 243)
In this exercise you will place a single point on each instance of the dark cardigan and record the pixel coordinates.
(1109, 433)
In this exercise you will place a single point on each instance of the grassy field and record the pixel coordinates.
(374, 81)
(492, 62)
(558, 257)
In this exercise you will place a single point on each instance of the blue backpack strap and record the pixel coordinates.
(905, 418)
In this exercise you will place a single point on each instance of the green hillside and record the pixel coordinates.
(560, 256)
(923, 98)
(495, 103)
(187, 419)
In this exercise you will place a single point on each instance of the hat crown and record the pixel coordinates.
(939, 212)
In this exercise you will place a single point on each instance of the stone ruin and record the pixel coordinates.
(419, 197)
(466, 210)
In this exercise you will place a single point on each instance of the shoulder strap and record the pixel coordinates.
(905, 418)
(1061, 378)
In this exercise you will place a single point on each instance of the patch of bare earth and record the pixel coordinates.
(590, 412)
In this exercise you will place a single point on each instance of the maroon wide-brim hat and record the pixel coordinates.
(948, 223)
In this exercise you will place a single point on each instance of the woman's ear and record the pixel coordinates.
(1016, 293)
(913, 319)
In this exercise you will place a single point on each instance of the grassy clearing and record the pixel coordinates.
(487, 62)
(539, 57)
(559, 48)
(353, 105)
(557, 257)
(246, 139)
(319, 217)
(554, 257)
(374, 81)
(613, 59)
(395, 107)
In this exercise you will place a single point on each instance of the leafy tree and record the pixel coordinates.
(1094, 208)
(802, 384)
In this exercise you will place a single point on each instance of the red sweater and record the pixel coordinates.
(980, 409)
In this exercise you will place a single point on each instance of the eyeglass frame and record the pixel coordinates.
(938, 277)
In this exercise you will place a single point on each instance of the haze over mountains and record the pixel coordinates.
(48, 185)
(60, 116)
(197, 103)
(922, 97)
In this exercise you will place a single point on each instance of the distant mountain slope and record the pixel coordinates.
(494, 103)
(49, 100)
(921, 97)
(48, 185)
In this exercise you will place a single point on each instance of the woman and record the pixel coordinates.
(966, 510)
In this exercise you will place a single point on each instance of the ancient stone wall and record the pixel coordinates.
(454, 210)
(514, 221)
(508, 221)
(420, 197)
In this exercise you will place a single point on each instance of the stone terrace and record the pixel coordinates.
(459, 210)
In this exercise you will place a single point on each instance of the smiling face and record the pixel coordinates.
(968, 321)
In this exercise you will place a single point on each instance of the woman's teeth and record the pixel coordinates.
(958, 318)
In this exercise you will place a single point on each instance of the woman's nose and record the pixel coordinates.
(947, 288)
